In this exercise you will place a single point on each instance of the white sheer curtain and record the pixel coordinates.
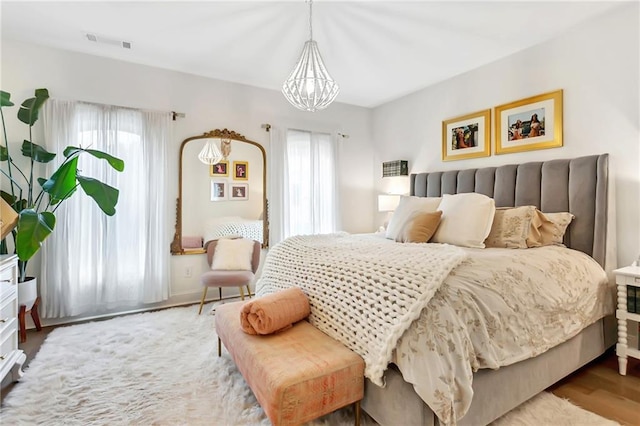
(303, 186)
(94, 263)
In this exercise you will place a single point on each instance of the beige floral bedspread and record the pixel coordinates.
(498, 307)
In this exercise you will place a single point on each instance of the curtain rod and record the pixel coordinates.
(267, 128)
(174, 114)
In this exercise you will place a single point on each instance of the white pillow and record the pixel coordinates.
(466, 220)
(233, 255)
(405, 210)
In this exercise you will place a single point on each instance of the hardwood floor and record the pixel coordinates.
(596, 387)
(600, 389)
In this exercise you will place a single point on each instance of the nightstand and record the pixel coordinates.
(627, 276)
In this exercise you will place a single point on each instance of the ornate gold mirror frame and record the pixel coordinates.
(176, 244)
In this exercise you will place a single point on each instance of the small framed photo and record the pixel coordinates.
(468, 136)
(239, 191)
(241, 170)
(220, 169)
(528, 124)
(219, 190)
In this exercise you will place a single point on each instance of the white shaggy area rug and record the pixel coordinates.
(162, 368)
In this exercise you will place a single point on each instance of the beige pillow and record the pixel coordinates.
(406, 208)
(553, 227)
(514, 227)
(420, 227)
(233, 255)
(466, 219)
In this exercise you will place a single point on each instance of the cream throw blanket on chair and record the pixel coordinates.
(364, 291)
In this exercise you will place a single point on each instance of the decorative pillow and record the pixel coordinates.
(233, 255)
(466, 220)
(406, 208)
(420, 227)
(554, 226)
(514, 227)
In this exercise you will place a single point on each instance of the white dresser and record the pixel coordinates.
(11, 358)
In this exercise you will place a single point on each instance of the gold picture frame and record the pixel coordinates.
(241, 170)
(529, 124)
(220, 169)
(468, 136)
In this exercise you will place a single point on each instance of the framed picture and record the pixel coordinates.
(241, 170)
(468, 136)
(219, 190)
(528, 124)
(220, 169)
(239, 191)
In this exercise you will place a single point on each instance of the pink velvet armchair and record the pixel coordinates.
(228, 278)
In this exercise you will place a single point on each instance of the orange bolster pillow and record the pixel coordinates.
(274, 312)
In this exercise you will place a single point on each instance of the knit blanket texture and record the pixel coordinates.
(364, 291)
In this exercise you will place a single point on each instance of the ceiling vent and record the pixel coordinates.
(106, 40)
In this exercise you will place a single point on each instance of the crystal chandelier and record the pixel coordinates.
(309, 86)
(210, 153)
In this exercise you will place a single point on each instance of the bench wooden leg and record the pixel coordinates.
(356, 409)
(219, 347)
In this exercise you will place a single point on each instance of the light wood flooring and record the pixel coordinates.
(596, 387)
(600, 389)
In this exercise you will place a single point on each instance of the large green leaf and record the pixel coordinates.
(104, 195)
(62, 181)
(33, 228)
(28, 112)
(115, 162)
(5, 99)
(35, 151)
(4, 153)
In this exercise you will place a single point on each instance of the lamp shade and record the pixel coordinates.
(210, 153)
(309, 86)
(388, 202)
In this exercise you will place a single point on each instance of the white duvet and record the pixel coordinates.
(498, 307)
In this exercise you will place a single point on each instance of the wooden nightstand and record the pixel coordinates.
(628, 276)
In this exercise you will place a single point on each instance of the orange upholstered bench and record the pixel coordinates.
(297, 375)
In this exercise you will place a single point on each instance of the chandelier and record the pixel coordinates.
(210, 153)
(309, 86)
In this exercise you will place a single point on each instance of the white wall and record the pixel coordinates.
(208, 104)
(595, 64)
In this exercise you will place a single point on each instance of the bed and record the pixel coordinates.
(232, 226)
(578, 186)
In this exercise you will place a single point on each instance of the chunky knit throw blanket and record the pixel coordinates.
(363, 291)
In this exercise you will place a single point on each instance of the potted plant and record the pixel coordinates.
(37, 198)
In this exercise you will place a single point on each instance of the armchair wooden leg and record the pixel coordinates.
(249, 291)
(241, 293)
(219, 347)
(356, 408)
(220, 292)
(204, 294)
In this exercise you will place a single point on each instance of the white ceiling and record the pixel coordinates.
(376, 50)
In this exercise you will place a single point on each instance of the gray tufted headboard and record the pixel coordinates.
(577, 185)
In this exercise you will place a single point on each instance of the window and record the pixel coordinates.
(93, 263)
(311, 183)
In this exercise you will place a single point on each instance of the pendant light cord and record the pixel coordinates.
(310, 23)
